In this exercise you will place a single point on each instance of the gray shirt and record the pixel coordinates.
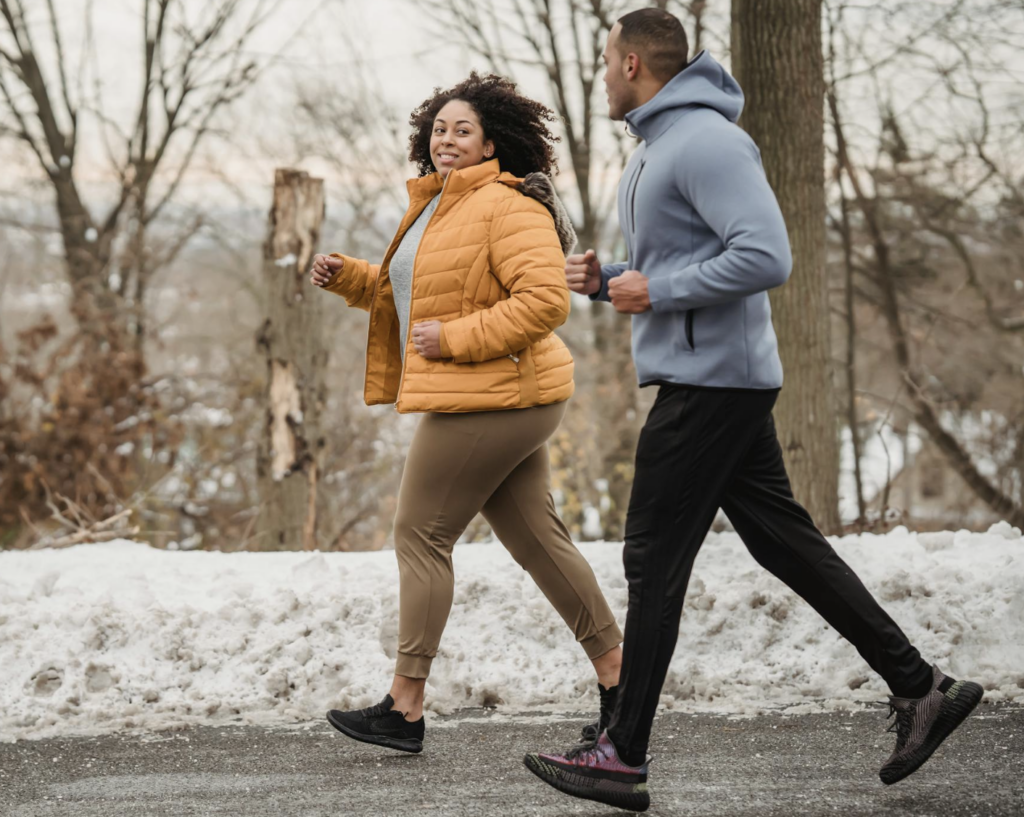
(400, 269)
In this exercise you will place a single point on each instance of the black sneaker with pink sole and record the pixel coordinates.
(923, 723)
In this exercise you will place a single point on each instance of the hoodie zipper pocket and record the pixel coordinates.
(632, 198)
(689, 329)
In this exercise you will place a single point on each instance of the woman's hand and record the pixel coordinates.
(324, 267)
(426, 337)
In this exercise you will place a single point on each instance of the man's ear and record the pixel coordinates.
(631, 66)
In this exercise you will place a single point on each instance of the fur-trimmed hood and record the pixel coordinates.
(540, 187)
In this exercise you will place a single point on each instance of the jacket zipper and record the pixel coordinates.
(632, 199)
(412, 286)
(373, 299)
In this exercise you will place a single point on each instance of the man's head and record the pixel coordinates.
(645, 49)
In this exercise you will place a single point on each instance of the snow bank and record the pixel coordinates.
(119, 635)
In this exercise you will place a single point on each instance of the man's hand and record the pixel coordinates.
(426, 337)
(583, 273)
(628, 292)
(324, 268)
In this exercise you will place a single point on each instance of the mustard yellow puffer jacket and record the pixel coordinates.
(490, 266)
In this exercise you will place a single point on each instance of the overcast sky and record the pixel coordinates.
(310, 41)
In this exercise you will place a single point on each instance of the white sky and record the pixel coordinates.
(311, 38)
(318, 41)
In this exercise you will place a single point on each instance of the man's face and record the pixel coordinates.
(621, 96)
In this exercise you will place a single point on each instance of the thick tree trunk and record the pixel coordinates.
(617, 417)
(777, 59)
(292, 340)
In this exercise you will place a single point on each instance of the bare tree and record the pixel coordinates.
(777, 59)
(292, 339)
(193, 66)
(936, 219)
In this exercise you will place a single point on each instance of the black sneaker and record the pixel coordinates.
(381, 725)
(592, 731)
(594, 772)
(923, 723)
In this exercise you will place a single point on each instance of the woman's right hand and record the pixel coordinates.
(324, 268)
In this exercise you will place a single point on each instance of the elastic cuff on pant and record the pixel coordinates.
(602, 641)
(413, 666)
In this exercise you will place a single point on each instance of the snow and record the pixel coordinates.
(119, 635)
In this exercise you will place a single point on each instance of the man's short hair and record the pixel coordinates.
(658, 38)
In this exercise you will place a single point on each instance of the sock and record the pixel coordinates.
(608, 697)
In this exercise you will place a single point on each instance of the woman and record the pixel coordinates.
(462, 313)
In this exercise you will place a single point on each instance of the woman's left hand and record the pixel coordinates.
(426, 337)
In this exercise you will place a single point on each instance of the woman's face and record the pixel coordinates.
(458, 139)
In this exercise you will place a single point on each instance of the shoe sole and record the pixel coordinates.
(631, 801)
(949, 718)
(412, 745)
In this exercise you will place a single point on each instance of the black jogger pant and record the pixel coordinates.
(701, 450)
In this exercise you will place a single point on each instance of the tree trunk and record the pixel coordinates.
(852, 420)
(777, 59)
(292, 341)
(616, 410)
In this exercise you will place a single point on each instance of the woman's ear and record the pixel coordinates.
(488, 149)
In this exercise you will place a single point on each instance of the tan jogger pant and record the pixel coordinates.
(494, 463)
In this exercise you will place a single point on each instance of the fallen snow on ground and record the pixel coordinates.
(120, 635)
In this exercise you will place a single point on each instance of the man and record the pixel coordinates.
(706, 240)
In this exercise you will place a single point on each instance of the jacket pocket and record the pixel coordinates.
(682, 331)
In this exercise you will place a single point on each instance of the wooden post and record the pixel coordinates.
(292, 341)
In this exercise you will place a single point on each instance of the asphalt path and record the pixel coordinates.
(776, 764)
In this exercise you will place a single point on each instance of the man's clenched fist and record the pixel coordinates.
(628, 292)
(583, 273)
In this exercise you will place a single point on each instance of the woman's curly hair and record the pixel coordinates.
(516, 124)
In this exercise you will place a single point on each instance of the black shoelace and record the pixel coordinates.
(901, 726)
(375, 711)
(592, 731)
(587, 751)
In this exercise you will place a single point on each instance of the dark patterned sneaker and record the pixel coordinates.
(381, 725)
(592, 731)
(594, 772)
(923, 723)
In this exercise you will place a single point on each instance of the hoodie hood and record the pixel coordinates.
(703, 83)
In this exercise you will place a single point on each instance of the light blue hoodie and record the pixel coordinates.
(701, 222)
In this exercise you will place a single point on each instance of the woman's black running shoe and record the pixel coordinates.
(380, 725)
